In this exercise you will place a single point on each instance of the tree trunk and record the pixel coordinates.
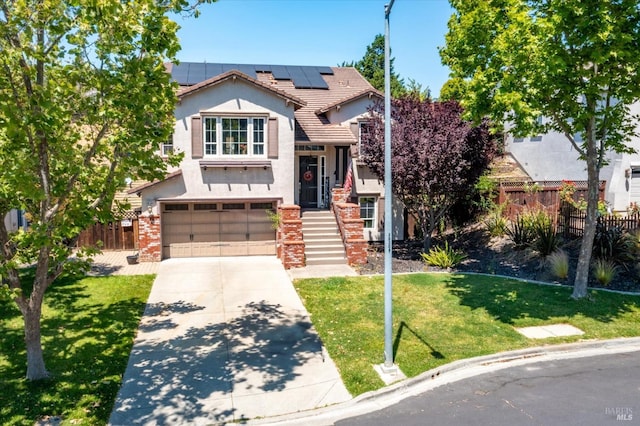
(31, 309)
(36, 369)
(591, 220)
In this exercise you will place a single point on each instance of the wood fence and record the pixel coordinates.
(116, 235)
(571, 221)
(521, 196)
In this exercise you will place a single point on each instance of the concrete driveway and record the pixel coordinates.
(222, 340)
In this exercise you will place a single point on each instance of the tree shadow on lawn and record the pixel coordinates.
(86, 347)
(187, 376)
(511, 300)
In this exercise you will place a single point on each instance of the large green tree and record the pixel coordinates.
(85, 101)
(575, 63)
(371, 66)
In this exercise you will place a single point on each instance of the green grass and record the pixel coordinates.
(88, 326)
(440, 318)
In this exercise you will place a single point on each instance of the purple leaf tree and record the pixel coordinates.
(437, 157)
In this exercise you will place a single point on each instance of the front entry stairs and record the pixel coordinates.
(323, 243)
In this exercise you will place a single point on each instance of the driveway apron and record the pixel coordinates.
(223, 340)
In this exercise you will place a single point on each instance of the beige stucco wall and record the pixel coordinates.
(231, 97)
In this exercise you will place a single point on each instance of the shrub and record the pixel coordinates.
(443, 257)
(604, 271)
(614, 243)
(521, 231)
(546, 239)
(495, 223)
(558, 262)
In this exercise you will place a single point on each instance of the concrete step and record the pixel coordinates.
(335, 260)
(323, 243)
(324, 250)
(320, 231)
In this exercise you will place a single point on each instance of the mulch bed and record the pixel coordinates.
(488, 255)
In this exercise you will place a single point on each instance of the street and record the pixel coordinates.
(597, 390)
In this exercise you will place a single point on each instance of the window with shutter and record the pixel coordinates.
(196, 137)
(272, 142)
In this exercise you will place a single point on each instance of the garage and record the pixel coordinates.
(206, 229)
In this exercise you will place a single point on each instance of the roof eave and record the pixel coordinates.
(371, 93)
(234, 75)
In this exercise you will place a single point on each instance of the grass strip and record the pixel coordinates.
(441, 318)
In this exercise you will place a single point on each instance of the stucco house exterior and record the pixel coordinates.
(254, 138)
(551, 157)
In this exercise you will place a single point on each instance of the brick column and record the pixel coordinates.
(290, 245)
(339, 195)
(351, 228)
(150, 249)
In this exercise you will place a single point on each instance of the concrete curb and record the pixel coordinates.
(449, 373)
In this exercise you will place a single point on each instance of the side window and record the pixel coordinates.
(368, 211)
(210, 135)
(167, 147)
(537, 138)
(258, 136)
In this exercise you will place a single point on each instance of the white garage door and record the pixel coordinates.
(217, 229)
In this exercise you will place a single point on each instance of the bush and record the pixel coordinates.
(443, 257)
(496, 224)
(615, 244)
(546, 239)
(521, 231)
(558, 262)
(604, 271)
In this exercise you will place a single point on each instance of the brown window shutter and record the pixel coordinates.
(272, 148)
(197, 148)
(354, 129)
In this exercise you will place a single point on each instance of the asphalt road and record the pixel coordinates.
(597, 390)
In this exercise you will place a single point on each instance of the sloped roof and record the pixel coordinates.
(233, 75)
(137, 190)
(313, 100)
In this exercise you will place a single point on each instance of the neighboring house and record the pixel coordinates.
(551, 157)
(15, 220)
(255, 137)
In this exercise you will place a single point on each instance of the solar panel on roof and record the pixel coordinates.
(249, 70)
(263, 68)
(324, 70)
(315, 78)
(280, 72)
(298, 77)
(180, 74)
(213, 70)
(196, 73)
(302, 76)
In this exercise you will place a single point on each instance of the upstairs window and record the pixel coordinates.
(210, 135)
(234, 136)
(167, 147)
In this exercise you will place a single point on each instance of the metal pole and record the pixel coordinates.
(388, 213)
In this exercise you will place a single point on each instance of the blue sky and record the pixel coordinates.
(319, 32)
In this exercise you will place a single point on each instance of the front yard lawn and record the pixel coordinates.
(440, 318)
(88, 326)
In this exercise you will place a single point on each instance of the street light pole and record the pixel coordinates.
(388, 213)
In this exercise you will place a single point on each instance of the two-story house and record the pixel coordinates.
(255, 137)
(551, 157)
